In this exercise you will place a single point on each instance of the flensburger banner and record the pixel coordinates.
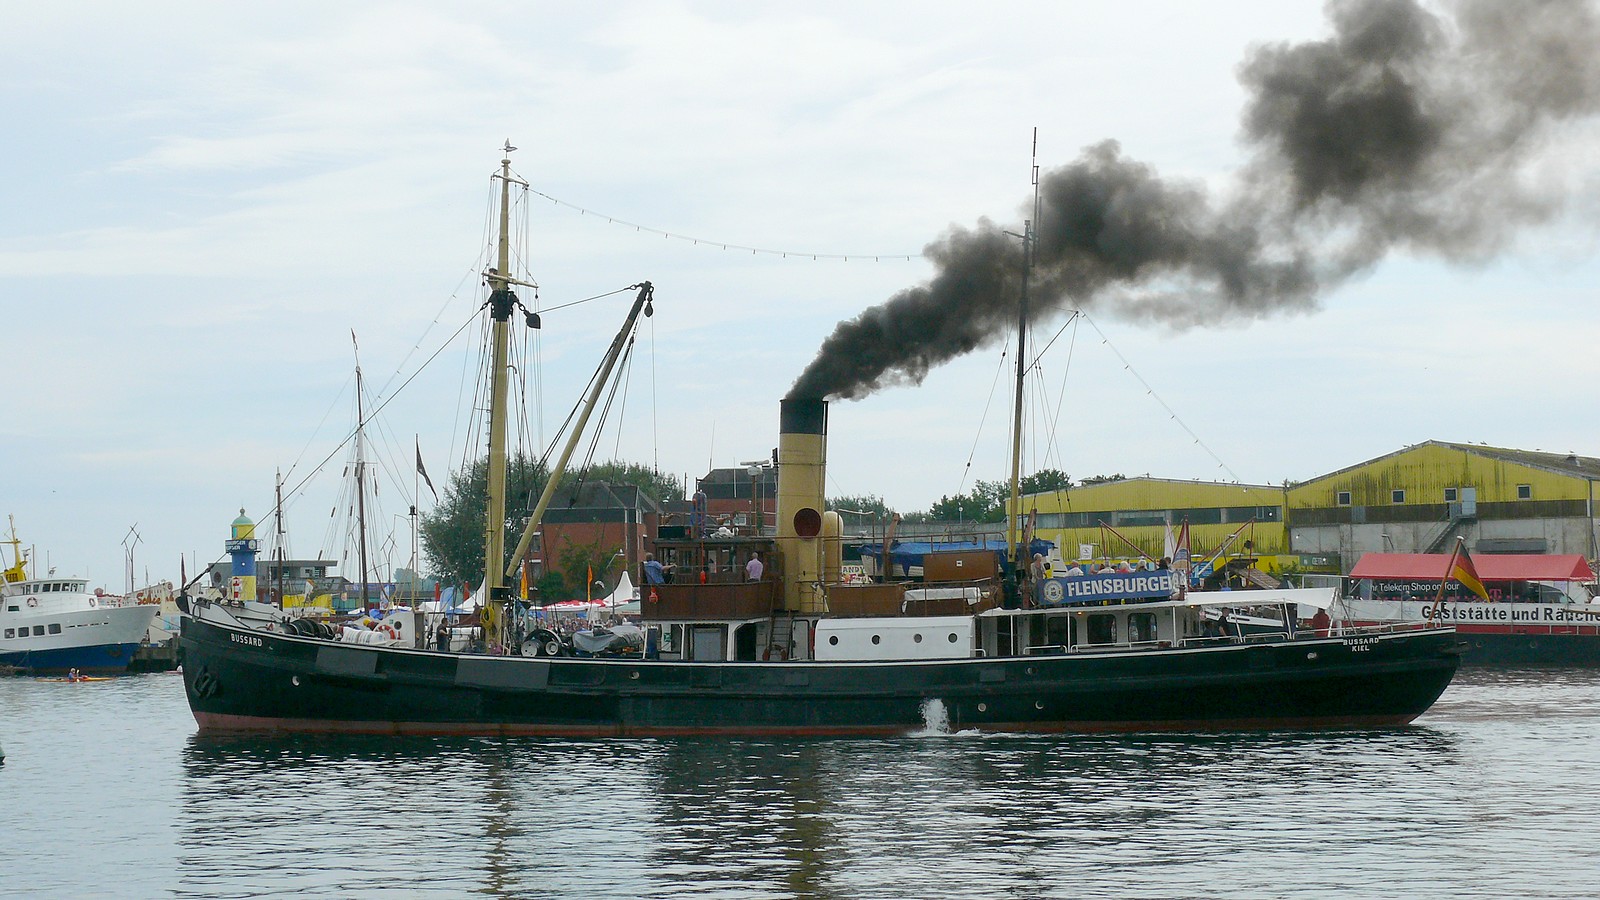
(1090, 588)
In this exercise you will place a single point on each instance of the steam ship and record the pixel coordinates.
(800, 652)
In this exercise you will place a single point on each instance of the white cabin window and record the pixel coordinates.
(1524, 492)
(38, 631)
(1102, 629)
(11, 632)
(1141, 627)
(55, 627)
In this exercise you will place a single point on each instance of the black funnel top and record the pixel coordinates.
(803, 415)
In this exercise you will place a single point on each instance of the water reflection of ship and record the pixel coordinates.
(764, 813)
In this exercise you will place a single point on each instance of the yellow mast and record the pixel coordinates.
(18, 570)
(1019, 553)
(501, 299)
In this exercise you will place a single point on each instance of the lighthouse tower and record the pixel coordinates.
(242, 546)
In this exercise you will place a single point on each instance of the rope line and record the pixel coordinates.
(727, 245)
(1151, 392)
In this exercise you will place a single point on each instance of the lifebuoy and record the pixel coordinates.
(390, 631)
(654, 597)
(33, 601)
(775, 652)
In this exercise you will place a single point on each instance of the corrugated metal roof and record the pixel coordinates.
(1569, 464)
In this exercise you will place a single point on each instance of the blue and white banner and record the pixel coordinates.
(1090, 588)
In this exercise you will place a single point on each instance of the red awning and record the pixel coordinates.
(1496, 567)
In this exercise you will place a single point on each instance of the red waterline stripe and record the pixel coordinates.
(228, 723)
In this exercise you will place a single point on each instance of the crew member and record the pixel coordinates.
(754, 568)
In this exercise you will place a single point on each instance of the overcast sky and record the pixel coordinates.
(200, 202)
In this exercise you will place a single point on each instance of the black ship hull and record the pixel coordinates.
(1530, 649)
(242, 680)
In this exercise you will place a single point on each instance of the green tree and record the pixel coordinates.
(653, 484)
(452, 535)
(871, 505)
(984, 503)
(1045, 481)
(1104, 479)
(578, 560)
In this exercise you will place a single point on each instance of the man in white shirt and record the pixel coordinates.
(754, 568)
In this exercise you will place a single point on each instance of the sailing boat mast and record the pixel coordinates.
(277, 521)
(501, 300)
(361, 485)
(1014, 520)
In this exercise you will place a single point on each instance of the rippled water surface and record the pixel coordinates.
(107, 790)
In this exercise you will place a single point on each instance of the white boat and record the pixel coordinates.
(58, 624)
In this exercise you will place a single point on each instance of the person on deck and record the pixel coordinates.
(1225, 626)
(654, 572)
(1036, 568)
(754, 568)
(1321, 623)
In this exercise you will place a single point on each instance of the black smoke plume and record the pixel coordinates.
(1407, 130)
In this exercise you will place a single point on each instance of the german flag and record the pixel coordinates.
(1463, 572)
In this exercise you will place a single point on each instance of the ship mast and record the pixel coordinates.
(1014, 531)
(501, 300)
(361, 486)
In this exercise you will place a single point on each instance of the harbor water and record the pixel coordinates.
(107, 790)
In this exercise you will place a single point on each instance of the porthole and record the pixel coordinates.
(833, 639)
(634, 675)
(1029, 670)
(876, 639)
(983, 707)
(1038, 704)
(294, 680)
(953, 638)
(1311, 655)
(916, 639)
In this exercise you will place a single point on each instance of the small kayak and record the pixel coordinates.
(65, 680)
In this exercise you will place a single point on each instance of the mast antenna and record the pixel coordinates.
(1014, 529)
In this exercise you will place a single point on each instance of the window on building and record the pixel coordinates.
(1397, 496)
(1524, 492)
(1449, 495)
(55, 627)
(1342, 498)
